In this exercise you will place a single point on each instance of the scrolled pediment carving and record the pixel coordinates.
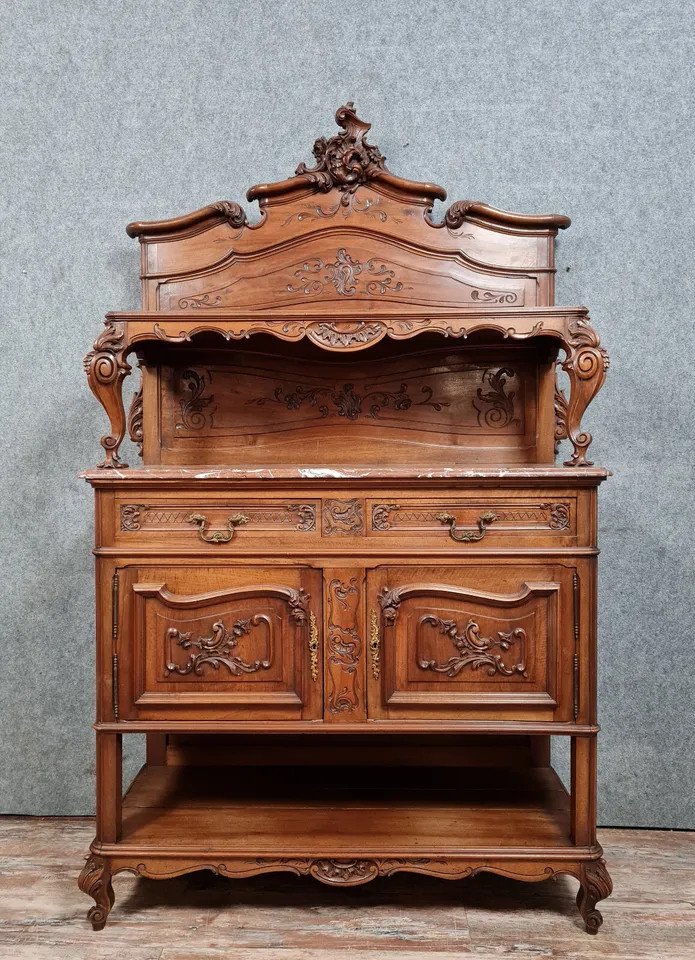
(345, 160)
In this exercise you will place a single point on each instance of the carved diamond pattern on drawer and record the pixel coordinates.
(387, 516)
(139, 516)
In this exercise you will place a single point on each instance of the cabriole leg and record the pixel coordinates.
(595, 884)
(95, 881)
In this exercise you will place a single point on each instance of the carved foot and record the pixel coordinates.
(95, 881)
(595, 885)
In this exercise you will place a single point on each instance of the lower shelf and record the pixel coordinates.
(345, 811)
(346, 826)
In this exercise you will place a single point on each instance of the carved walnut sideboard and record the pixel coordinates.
(349, 597)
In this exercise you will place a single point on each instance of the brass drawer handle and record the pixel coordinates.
(374, 644)
(216, 536)
(468, 536)
(313, 647)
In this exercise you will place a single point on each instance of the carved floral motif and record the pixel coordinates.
(135, 419)
(347, 204)
(343, 274)
(560, 416)
(130, 515)
(381, 513)
(344, 646)
(345, 160)
(344, 872)
(475, 651)
(193, 406)
(306, 513)
(495, 407)
(493, 296)
(298, 601)
(331, 335)
(389, 601)
(559, 515)
(199, 301)
(347, 402)
(344, 517)
(216, 650)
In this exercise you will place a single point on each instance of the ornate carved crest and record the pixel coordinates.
(345, 160)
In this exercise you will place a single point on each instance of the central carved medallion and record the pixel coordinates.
(343, 517)
(343, 274)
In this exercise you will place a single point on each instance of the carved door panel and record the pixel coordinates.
(220, 643)
(471, 642)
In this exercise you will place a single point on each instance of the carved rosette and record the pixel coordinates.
(95, 881)
(586, 363)
(106, 367)
(346, 160)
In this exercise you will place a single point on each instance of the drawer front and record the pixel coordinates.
(220, 643)
(221, 523)
(472, 642)
(476, 522)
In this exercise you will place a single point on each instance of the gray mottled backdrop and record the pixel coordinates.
(119, 111)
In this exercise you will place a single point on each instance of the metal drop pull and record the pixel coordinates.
(216, 536)
(467, 536)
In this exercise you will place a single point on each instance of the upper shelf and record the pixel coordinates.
(346, 235)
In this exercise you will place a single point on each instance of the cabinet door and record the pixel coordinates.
(484, 641)
(220, 643)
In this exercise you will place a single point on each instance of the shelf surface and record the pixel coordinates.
(353, 811)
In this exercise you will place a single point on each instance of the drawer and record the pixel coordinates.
(479, 641)
(219, 643)
(219, 522)
(470, 522)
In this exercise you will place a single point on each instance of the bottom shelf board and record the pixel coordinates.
(360, 811)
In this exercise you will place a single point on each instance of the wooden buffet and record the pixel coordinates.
(349, 596)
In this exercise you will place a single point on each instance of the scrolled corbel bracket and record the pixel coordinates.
(106, 368)
(586, 364)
